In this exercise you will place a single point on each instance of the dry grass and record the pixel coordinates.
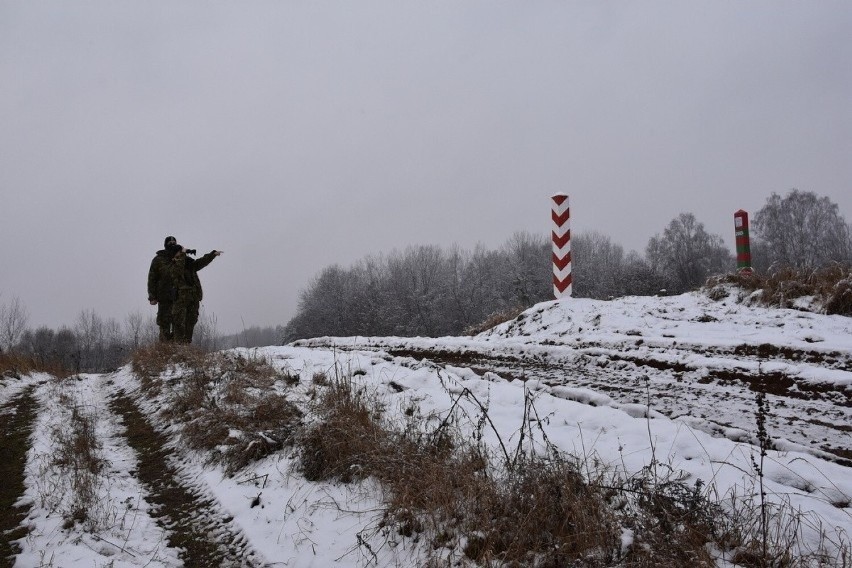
(150, 362)
(79, 460)
(494, 320)
(344, 441)
(226, 401)
(672, 523)
(15, 366)
(444, 490)
(780, 543)
(542, 513)
(831, 286)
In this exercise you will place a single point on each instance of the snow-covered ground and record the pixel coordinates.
(626, 381)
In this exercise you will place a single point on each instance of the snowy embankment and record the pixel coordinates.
(692, 358)
(631, 384)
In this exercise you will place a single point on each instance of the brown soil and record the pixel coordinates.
(16, 424)
(204, 534)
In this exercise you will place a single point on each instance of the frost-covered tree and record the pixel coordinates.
(802, 230)
(687, 254)
(13, 322)
(423, 290)
(597, 266)
(527, 265)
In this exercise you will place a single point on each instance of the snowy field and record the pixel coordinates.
(626, 382)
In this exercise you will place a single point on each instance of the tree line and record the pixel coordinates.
(96, 344)
(431, 291)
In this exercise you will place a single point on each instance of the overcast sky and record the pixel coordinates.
(298, 134)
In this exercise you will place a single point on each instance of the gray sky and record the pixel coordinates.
(298, 134)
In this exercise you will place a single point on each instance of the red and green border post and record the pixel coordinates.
(561, 234)
(743, 242)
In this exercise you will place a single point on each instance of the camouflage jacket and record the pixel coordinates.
(184, 272)
(160, 283)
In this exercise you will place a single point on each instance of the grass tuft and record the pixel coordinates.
(226, 401)
(494, 320)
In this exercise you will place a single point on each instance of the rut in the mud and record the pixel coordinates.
(194, 523)
(16, 424)
(794, 401)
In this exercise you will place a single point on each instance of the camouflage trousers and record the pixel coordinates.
(184, 317)
(165, 321)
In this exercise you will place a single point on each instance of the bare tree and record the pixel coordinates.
(48, 346)
(39, 343)
(150, 330)
(598, 266)
(114, 348)
(13, 322)
(321, 307)
(639, 278)
(687, 254)
(65, 347)
(482, 284)
(415, 279)
(134, 325)
(802, 230)
(89, 330)
(529, 268)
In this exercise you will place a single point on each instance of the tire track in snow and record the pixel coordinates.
(804, 417)
(194, 522)
(16, 422)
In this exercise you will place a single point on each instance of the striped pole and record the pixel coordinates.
(743, 244)
(561, 234)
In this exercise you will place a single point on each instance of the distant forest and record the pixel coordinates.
(431, 291)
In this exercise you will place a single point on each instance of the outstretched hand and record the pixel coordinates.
(218, 252)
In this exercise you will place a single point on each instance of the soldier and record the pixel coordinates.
(161, 290)
(184, 272)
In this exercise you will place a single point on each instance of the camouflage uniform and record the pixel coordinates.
(162, 290)
(184, 272)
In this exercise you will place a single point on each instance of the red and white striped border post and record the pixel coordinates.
(561, 234)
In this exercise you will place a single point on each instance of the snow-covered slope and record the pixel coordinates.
(626, 382)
